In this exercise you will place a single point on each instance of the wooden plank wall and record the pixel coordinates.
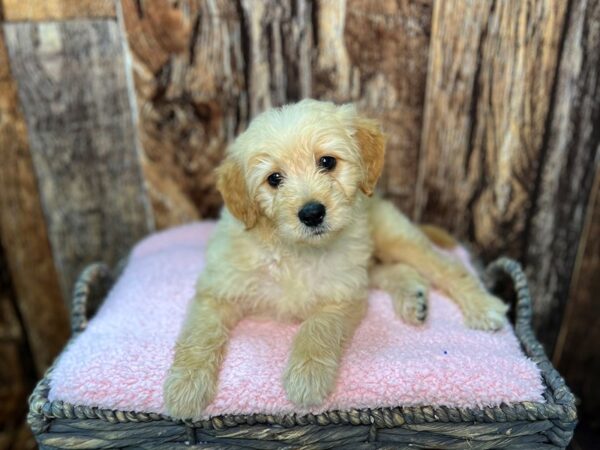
(113, 115)
(71, 188)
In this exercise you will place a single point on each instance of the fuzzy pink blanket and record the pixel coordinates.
(120, 361)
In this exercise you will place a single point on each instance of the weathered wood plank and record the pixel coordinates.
(487, 164)
(491, 75)
(182, 97)
(224, 62)
(73, 89)
(39, 10)
(570, 160)
(23, 232)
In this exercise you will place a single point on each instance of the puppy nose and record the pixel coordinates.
(312, 214)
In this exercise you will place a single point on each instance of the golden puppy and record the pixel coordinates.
(302, 238)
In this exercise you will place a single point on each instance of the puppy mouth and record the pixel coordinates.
(317, 231)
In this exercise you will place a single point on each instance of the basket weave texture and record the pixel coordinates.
(525, 425)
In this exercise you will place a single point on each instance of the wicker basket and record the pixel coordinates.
(525, 425)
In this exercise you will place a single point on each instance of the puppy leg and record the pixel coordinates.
(398, 240)
(407, 288)
(316, 351)
(192, 379)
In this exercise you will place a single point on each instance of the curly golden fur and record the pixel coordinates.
(263, 260)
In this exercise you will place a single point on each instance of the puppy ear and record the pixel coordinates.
(231, 183)
(371, 142)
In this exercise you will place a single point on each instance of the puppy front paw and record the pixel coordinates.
(486, 312)
(410, 301)
(308, 382)
(187, 391)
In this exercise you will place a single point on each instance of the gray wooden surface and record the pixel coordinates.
(567, 167)
(73, 90)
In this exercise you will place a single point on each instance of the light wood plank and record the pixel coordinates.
(491, 75)
(73, 89)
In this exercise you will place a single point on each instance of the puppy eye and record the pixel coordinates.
(275, 179)
(327, 162)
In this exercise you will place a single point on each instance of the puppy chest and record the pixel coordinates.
(291, 285)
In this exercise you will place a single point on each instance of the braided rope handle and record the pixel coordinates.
(511, 268)
(561, 394)
(90, 289)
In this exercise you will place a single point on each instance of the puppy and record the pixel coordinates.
(302, 238)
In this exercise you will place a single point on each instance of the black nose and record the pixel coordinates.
(312, 214)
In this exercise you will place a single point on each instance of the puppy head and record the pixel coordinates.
(302, 168)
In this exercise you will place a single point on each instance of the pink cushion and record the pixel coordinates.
(120, 361)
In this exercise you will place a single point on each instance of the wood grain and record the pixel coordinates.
(224, 62)
(567, 167)
(39, 10)
(501, 164)
(376, 56)
(23, 233)
(491, 76)
(187, 96)
(82, 139)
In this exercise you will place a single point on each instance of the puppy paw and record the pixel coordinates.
(486, 313)
(188, 391)
(309, 382)
(410, 301)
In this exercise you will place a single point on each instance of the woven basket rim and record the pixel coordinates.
(559, 406)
